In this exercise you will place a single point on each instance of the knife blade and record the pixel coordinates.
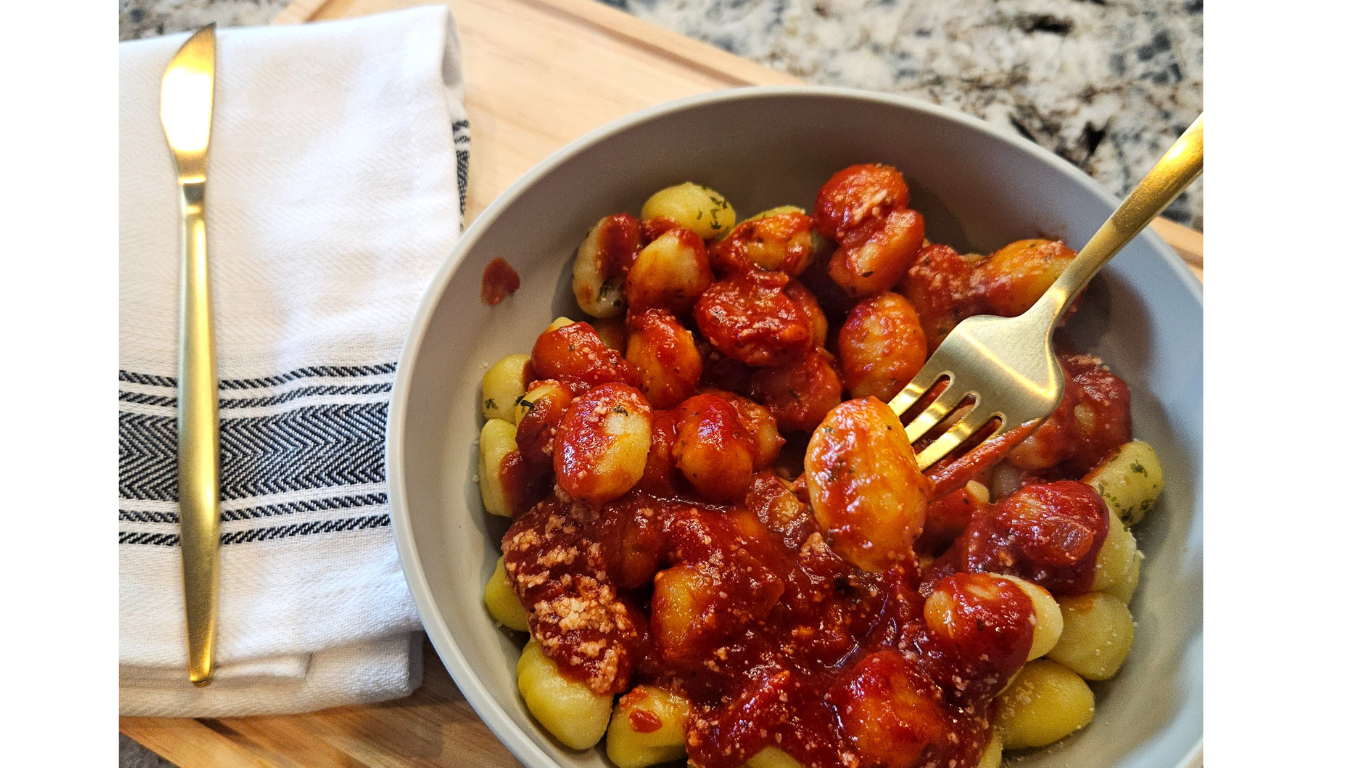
(186, 117)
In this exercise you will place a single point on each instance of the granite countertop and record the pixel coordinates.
(1106, 84)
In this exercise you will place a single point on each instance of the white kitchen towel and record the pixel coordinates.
(336, 185)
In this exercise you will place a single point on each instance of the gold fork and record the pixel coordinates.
(1001, 372)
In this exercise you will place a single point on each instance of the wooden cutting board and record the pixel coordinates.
(538, 73)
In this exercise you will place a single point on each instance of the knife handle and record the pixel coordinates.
(197, 425)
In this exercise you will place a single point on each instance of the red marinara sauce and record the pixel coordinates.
(710, 577)
(773, 638)
(500, 281)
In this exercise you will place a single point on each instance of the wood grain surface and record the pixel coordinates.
(538, 74)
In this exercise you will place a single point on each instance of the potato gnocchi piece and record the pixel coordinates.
(877, 257)
(612, 331)
(573, 354)
(856, 195)
(666, 355)
(670, 273)
(778, 242)
(810, 308)
(502, 602)
(775, 211)
(648, 727)
(991, 754)
(601, 263)
(799, 393)
(504, 382)
(748, 317)
(700, 209)
(565, 707)
(1013, 278)
(713, 449)
(1048, 617)
(602, 443)
(1117, 565)
(881, 347)
(979, 628)
(683, 596)
(889, 711)
(1045, 703)
(1129, 482)
(1097, 634)
(547, 389)
(497, 440)
(759, 423)
(867, 494)
(772, 757)
(538, 415)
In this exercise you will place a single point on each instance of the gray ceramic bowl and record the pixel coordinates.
(978, 189)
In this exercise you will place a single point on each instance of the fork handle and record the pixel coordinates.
(1173, 173)
(197, 423)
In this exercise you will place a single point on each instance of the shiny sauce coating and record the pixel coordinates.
(854, 616)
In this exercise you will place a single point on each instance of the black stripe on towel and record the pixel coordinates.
(265, 511)
(256, 402)
(264, 534)
(306, 448)
(312, 371)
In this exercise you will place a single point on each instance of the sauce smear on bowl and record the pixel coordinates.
(500, 282)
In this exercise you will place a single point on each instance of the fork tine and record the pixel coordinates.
(935, 411)
(923, 382)
(964, 429)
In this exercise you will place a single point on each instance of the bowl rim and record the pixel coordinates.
(498, 720)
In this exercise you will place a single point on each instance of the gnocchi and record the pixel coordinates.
(574, 354)
(867, 494)
(601, 262)
(799, 394)
(648, 727)
(1118, 564)
(1097, 633)
(539, 412)
(857, 195)
(502, 602)
(701, 210)
(1045, 703)
(776, 242)
(602, 443)
(772, 757)
(872, 260)
(713, 449)
(665, 354)
(888, 711)
(1013, 278)
(1048, 617)
(664, 545)
(881, 347)
(497, 441)
(567, 708)
(748, 317)
(504, 383)
(1129, 482)
(670, 272)
(991, 755)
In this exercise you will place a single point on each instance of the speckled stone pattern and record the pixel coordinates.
(1106, 84)
(152, 18)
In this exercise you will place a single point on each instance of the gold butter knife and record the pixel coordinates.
(186, 114)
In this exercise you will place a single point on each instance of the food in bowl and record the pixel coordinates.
(722, 547)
